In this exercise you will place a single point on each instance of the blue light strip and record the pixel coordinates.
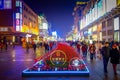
(60, 72)
(57, 72)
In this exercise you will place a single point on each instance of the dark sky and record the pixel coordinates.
(57, 12)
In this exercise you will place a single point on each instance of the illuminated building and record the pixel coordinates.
(54, 35)
(77, 16)
(100, 20)
(43, 27)
(17, 20)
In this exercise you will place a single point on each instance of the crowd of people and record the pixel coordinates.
(46, 45)
(107, 51)
(5, 45)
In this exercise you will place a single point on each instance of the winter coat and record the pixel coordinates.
(114, 56)
(106, 52)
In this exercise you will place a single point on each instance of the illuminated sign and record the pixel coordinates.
(58, 58)
(3, 29)
(80, 3)
(17, 15)
(54, 33)
(17, 28)
(17, 22)
(28, 35)
(17, 3)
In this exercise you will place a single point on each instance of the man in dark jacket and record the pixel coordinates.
(106, 55)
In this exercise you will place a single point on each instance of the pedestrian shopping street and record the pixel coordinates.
(15, 60)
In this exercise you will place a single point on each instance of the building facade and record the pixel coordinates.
(100, 21)
(43, 27)
(17, 21)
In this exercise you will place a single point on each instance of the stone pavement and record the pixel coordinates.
(14, 61)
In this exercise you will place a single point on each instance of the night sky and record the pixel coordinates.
(58, 13)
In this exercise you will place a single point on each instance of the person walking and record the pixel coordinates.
(78, 47)
(114, 57)
(34, 47)
(84, 50)
(6, 46)
(92, 49)
(106, 55)
(27, 47)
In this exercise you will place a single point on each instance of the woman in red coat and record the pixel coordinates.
(114, 57)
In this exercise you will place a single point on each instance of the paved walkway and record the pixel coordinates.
(14, 61)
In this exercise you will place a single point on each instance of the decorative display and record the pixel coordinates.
(63, 60)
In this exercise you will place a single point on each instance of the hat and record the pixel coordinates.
(114, 46)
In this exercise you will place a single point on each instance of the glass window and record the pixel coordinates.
(7, 4)
(116, 23)
(116, 36)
